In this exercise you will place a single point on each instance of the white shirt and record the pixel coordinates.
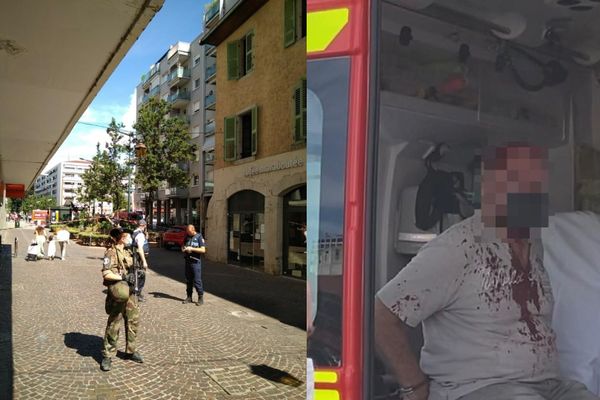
(140, 238)
(484, 320)
(63, 235)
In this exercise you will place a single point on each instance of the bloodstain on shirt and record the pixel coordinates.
(525, 291)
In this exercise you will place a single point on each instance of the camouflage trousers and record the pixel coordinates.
(128, 311)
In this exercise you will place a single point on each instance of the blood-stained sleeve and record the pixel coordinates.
(427, 284)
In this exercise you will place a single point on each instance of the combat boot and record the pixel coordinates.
(200, 300)
(106, 364)
(187, 300)
(135, 356)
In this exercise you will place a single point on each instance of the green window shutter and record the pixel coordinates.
(230, 142)
(297, 113)
(303, 106)
(289, 23)
(233, 60)
(254, 130)
(249, 54)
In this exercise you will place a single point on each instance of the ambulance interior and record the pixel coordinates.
(455, 75)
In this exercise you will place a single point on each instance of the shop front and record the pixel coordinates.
(256, 217)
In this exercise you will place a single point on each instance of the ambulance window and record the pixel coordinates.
(327, 100)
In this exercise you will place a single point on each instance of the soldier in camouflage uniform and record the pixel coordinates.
(121, 303)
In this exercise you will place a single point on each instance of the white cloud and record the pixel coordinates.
(128, 118)
(81, 142)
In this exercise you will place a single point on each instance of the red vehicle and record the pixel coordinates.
(133, 216)
(174, 237)
(388, 81)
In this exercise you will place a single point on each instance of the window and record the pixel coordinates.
(294, 21)
(196, 107)
(240, 57)
(196, 83)
(327, 98)
(241, 135)
(299, 98)
(195, 131)
(196, 180)
(196, 60)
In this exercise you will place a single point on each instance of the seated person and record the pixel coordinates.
(484, 298)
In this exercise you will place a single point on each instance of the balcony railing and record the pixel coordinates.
(211, 71)
(209, 128)
(176, 192)
(210, 50)
(153, 92)
(179, 96)
(211, 12)
(146, 77)
(210, 100)
(179, 73)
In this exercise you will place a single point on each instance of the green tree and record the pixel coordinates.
(114, 170)
(36, 202)
(93, 188)
(103, 181)
(168, 148)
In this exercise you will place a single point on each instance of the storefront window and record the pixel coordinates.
(294, 234)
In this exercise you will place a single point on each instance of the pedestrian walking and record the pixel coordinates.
(40, 240)
(51, 247)
(141, 249)
(193, 247)
(121, 303)
(63, 236)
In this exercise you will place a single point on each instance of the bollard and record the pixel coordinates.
(16, 247)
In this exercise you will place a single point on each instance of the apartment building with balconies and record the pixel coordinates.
(180, 78)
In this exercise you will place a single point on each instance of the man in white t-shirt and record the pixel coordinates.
(62, 237)
(484, 298)
(140, 251)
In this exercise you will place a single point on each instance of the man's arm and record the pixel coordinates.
(139, 246)
(392, 345)
(200, 250)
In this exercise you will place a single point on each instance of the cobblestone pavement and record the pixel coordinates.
(222, 350)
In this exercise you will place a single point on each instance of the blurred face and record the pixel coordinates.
(126, 239)
(191, 230)
(515, 190)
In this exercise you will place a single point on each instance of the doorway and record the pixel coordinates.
(246, 229)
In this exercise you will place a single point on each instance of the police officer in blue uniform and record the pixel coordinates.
(193, 247)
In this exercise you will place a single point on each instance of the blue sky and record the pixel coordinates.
(178, 20)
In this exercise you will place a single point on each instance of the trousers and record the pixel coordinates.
(193, 277)
(117, 312)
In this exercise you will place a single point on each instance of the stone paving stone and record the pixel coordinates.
(58, 322)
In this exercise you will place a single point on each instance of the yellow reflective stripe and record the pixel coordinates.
(325, 377)
(326, 394)
(323, 27)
